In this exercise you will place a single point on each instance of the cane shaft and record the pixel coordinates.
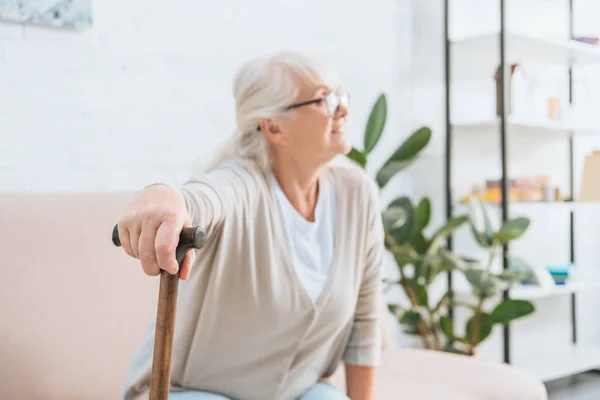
(163, 340)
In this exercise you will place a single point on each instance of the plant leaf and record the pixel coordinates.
(481, 238)
(410, 321)
(420, 292)
(358, 157)
(422, 215)
(419, 243)
(412, 331)
(446, 327)
(410, 317)
(403, 233)
(394, 217)
(388, 171)
(512, 229)
(405, 255)
(435, 264)
(450, 348)
(511, 309)
(510, 277)
(481, 225)
(485, 284)
(426, 269)
(443, 300)
(396, 310)
(404, 155)
(444, 231)
(450, 226)
(487, 219)
(375, 124)
(485, 324)
(451, 261)
(524, 269)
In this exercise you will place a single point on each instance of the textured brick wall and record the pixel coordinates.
(148, 89)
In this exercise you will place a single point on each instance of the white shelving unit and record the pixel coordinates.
(476, 58)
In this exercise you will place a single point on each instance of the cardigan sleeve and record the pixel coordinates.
(211, 197)
(365, 343)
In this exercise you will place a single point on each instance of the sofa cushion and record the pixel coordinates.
(418, 374)
(75, 306)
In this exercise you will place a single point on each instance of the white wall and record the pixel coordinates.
(147, 90)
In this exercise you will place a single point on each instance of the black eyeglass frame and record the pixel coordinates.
(304, 103)
(319, 100)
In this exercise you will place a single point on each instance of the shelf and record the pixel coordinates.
(560, 205)
(521, 48)
(532, 292)
(527, 292)
(556, 363)
(521, 127)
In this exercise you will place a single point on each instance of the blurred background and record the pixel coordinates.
(99, 98)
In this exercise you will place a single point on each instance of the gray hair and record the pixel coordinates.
(262, 88)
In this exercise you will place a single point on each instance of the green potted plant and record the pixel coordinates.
(421, 258)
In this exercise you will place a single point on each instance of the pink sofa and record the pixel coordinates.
(74, 308)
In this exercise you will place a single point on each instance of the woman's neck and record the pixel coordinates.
(300, 185)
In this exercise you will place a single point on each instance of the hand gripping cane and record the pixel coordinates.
(189, 238)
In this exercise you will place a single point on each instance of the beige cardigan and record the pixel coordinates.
(246, 327)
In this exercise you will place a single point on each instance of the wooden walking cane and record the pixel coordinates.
(189, 238)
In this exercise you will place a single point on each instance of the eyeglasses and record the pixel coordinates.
(333, 101)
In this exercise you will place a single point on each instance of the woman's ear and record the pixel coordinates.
(271, 130)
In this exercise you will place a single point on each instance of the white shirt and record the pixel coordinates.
(311, 243)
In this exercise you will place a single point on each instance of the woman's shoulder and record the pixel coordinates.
(350, 178)
(235, 170)
(231, 165)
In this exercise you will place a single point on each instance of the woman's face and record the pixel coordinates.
(311, 134)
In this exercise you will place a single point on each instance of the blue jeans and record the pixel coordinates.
(319, 391)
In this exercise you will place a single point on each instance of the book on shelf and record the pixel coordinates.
(520, 190)
(590, 182)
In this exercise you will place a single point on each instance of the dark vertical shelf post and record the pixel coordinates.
(572, 188)
(504, 158)
(448, 153)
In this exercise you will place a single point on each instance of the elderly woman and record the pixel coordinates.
(287, 285)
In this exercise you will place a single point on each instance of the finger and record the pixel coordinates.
(167, 238)
(186, 266)
(134, 238)
(147, 253)
(124, 238)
